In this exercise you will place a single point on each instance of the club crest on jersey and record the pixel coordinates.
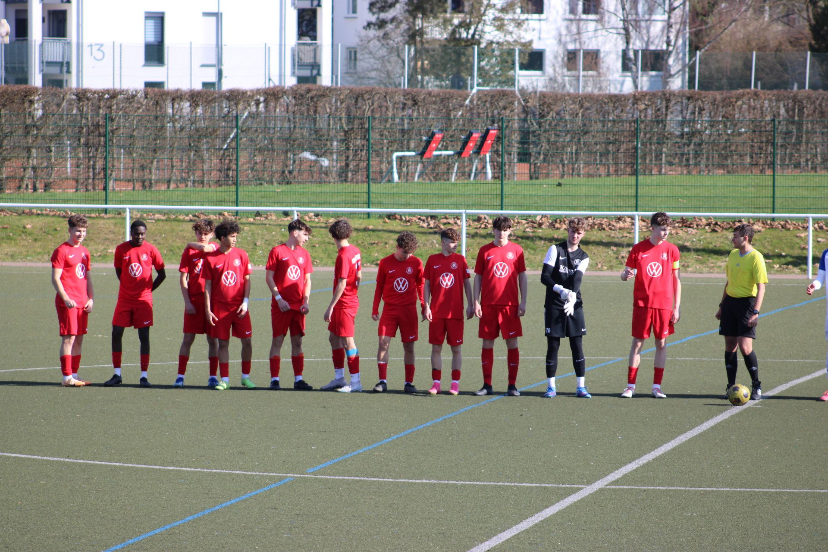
(198, 266)
(510, 255)
(301, 260)
(293, 272)
(501, 270)
(144, 256)
(453, 265)
(401, 285)
(135, 270)
(654, 269)
(447, 279)
(409, 270)
(236, 262)
(664, 256)
(80, 270)
(228, 279)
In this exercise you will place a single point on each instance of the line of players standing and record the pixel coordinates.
(215, 285)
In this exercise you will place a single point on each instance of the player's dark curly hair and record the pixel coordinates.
(77, 221)
(450, 234)
(299, 224)
(502, 223)
(746, 231)
(660, 219)
(407, 242)
(579, 223)
(204, 226)
(138, 223)
(341, 229)
(227, 227)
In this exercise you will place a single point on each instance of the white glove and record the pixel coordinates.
(569, 306)
(562, 291)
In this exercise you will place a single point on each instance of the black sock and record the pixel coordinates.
(731, 365)
(552, 346)
(752, 365)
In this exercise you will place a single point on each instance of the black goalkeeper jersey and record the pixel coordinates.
(563, 264)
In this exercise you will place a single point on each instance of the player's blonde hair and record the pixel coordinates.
(578, 223)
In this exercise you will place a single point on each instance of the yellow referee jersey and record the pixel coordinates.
(743, 273)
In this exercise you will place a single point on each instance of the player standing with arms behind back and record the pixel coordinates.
(499, 272)
(654, 263)
(443, 295)
(74, 298)
(739, 310)
(821, 281)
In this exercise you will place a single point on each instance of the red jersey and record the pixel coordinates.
(74, 261)
(654, 265)
(136, 264)
(192, 261)
(447, 275)
(499, 268)
(227, 272)
(398, 282)
(348, 265)
(289, 267)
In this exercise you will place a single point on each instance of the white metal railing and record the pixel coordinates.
(463, 213)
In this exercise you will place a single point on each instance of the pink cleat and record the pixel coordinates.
(435, 389)
(824, 397)
(455, 388)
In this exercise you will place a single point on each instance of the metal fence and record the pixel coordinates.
(760, 166)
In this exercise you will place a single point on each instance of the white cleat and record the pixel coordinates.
(657, 394)
(628, 392)
(353, 388)
(334, 385)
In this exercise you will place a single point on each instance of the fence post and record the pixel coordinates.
(238, 149)
(697, 70)
(370, 128)
(752, 69)
(807, 69)
(127, 224)
(810, 247)
(637, 159)
(463, 235)
(774, 166)
(106, 161)
(502, 161)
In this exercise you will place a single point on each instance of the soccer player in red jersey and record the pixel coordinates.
(342, 310)
(134, 261)
(192, 288)
(443, 295)
(226, 298)
(500, 271)
(399, 284)
(74, 298)
(654, 263)
(288, 277)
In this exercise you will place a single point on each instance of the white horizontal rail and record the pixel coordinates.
(464, 213)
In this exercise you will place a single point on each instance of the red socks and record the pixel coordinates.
(245, 368)
(382, 367)
(75, 363)
(455, 375)
(213, 366)
(353, 365)
(298, 362)
(436, 375)
(275, 366)
(632, 373)
(66, 365)
(409, 373)
(487, 359)
(182, 364)
(338, 357)
(658, 373)
(144, 363)
(513, 360)
(224, 369)
(116, 359)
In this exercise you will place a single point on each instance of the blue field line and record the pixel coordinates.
(198, 515)
(419, 427)
(312, 291)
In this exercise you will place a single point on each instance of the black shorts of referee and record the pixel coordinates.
(558, 324)
(735, 314)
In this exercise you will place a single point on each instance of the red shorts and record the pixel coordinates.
(501, 320)
(442, 327)
(281, 322)
(138, 315)
(403, 317)
(72, 321)
(196, 323)
(242, 328)
(342, 321)
(645, 318)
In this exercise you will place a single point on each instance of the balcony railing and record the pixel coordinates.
(307, 59)
(55, 56)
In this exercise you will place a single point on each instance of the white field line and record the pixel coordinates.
(393, 480)
(604, 482)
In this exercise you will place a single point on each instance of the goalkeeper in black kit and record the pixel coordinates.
(563, 271)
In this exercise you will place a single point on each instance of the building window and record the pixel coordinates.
(208, 85)
(456, 6)
(56, 21)
(532, 62)
(533, 7)
(592, 60)
(154, 84)
(647, 8)
(352, 60)
(350, 7)
(651, 60)
(584, 7)
(154, 39)
(209, 39)
(21, 24)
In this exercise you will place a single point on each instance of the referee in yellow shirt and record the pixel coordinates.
(739, 310)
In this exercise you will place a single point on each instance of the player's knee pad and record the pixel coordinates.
(352, 352)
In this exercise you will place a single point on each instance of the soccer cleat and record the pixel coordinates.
(485, 390)
(657, 394)
(628, 392)
(114, 380)
(756, 390)
(222, 386)
(248, 383)
(82, 381)
(409, 389)
(435, 389)
(275, 385)
(512, 391)
(179, 382)
(582, 393)
(381, 387)
(334, 385)
(212, 382)
(824, 397)
(144, 382)
(727, 392)
(72, 382)
(302, 385)
(455, 388)
(550, 393)
(353, 388)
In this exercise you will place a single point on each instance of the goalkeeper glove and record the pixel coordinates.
(569, 306)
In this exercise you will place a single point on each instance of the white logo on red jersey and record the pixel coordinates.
(143, 256)
(453, 265)
(447, 279)
(501, 270)
(654, 269)
(409, 270)
(236, 262)
(510, 255)
(664, 256)
(301, 260)
(401, 285)
(228, 279)
(293, 272)
(135, 270)
(80, 271)
(198, 266)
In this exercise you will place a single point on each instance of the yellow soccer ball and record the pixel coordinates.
(738, 395)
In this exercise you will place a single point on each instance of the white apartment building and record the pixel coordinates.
(577, 45)
(205, 44)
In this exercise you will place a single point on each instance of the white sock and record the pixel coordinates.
(355, 378)
(275, 379)
(551, 383)
(143, 373)
(656, 386)
(117, 371)
(67, 378)
(226, 380)
(75, 375)
(339, 373)
(297, 378)
(581, 382)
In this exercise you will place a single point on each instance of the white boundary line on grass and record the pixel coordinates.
(395, 480)
(604, 482)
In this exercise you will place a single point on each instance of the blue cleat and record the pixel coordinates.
(212, 382)
(179, 382)
(550, 393)
(582, 393)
